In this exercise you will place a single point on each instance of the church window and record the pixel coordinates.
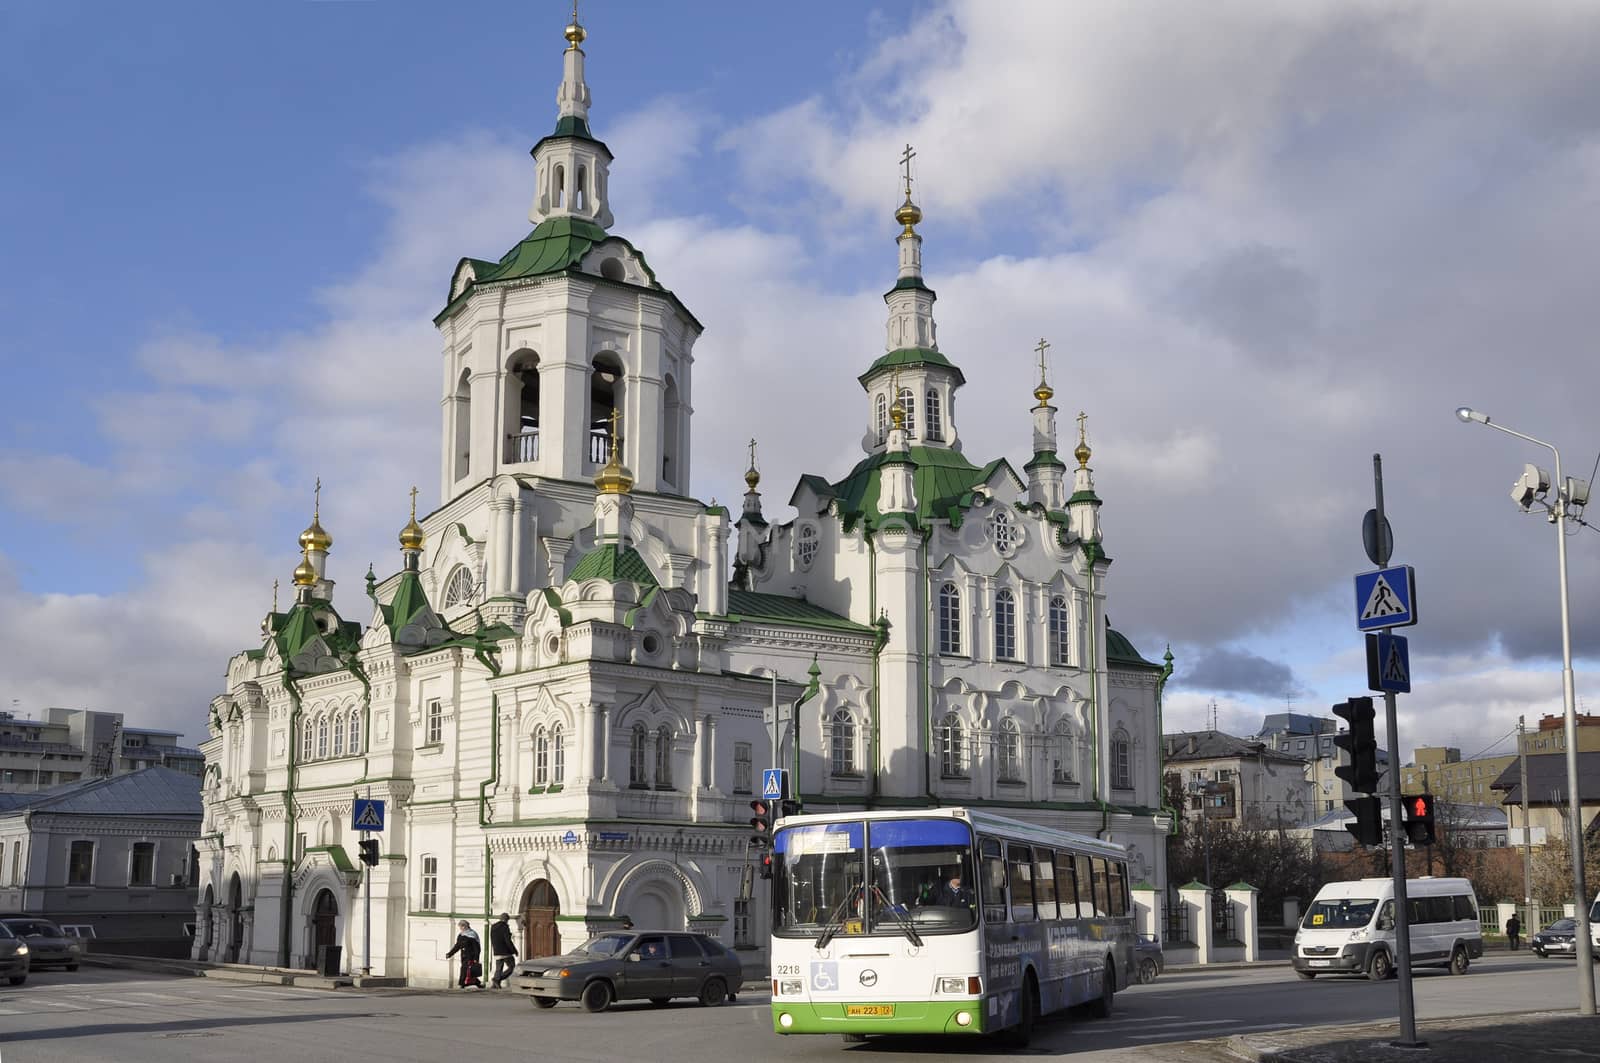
(743, 773)
(952, 748)
(935, 417)
(1005, 626)
(805, 544)
(463, 426)
(306, 739)
(949, 619)
(322, 737)
(908, 403)
(664, 758)
(883, 418)
(671, 433)
(559, 191)
(1059, 631)
(458, 588)
(637, 769)
(1004, 533)
(353, 745)
(541, 757)
(605, 394)
(558, 757)
(434, 733)
(580, 199)
(843, 743)
(1121, 761)
(1010, 751)
(523, 436)
(430, 883)
(1061, 753)
(338, 735)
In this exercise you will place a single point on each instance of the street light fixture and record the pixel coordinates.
(1576, 493)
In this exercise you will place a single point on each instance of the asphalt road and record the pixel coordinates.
(107, 1015)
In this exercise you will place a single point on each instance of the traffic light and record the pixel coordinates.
(1358, 740)
(787, 808)
(369, 851)
(761, 823)
(1368, 825)
(1419, 819)
(766, 865)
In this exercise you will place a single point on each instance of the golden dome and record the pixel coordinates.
(575, 33)
(304, 574)
(1082, 453)
(751, 477)
(1044, 393)
(897, 414)
(315, 537)
(614, 479)
(411, 536)
(908, 214)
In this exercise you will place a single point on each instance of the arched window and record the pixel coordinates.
(558, 757)
(671, 434)
(637, 767)
(805, 544)
(558, 194)
(580, 199)
(541, 757)
(664, 758)
(952, 748)
(908, 403)
(1121, 761)
(458, 589)
(935, 417)
(338, 735)
(1005, 626)
(524, 431)
(949, 618)
(605, 394)
(1004, 533)
(463, 412)
(844, 743)
(1061, 753)
(306, 736)
(882, 421)
(353, 745)
(1009, 759)
(1059, 631)
(322, 737)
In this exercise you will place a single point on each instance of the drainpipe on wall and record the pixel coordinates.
(285, 936)
(925, 697)
(483, 812)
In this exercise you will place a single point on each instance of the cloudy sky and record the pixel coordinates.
(1266, 241)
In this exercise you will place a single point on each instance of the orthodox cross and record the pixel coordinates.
(1082, 429)
(752, 453)
(413, 502)
(905, 160)
(316, 504)
(1044, 345)
(274, 596)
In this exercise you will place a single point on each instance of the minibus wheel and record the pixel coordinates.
(1379, 966)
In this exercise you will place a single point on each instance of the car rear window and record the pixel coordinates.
(685, 947)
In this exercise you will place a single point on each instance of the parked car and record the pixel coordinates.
(1557, 939)
(632, 965)
(48, 944)
(1148, 959)
(13, 957)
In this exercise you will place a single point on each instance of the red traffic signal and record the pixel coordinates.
(761, 823)
(1420, 828)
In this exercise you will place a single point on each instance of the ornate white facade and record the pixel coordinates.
(562, 695)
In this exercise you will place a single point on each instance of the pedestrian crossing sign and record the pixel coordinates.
(368, 814)
(1386, 598)
(773, 784)
(1388, 663)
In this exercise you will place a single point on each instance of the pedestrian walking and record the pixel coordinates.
(504, 950)
(471, 949)
(1513, 931)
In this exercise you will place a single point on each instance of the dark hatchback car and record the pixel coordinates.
(1557, 939)
(48, 945)
(1149, 959)
(13, 957)
(629, 965)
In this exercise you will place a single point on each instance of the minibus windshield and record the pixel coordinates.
(1348, 913)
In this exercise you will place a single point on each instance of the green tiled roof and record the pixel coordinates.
(907, 356)
(608, 563)
(409, 600)
(943, 481)
(1120, 651)
(775, 608)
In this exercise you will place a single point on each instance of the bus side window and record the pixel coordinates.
(1020, 861)
(1119, 899)
(1465, 909)
(993, 881)
(1088, 903)
(1066, 886)
(1044, 883)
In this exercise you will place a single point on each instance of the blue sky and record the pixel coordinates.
(1266, 241)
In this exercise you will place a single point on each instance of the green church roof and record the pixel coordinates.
(909, 356)
(943, 480)
(608, 563)
(778, 609)
(1120, 651)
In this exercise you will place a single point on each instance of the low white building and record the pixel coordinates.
(1238, 780)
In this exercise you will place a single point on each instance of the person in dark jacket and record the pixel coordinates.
(1514, 931)
(504, 950)
(471, 950)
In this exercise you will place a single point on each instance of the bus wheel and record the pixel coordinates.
(854, 1038)
(1027, 1009)
(1378, 966)
(1108, 990)
(1459, 961)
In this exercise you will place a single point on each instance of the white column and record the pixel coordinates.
(500, 547)
(602, 720)
(583, 740)
(1242, 898)
(516, 586)
(1196, 899)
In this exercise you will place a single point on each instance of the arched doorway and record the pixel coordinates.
(540, 906)
(324, 923)
(210, 919)
(235, 917)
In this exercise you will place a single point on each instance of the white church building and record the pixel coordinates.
(563, 694)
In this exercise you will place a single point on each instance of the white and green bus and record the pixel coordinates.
(946, 920)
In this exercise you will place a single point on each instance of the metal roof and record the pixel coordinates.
(149, 792)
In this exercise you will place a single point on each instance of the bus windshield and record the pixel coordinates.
(1344, 914)
(887, 877)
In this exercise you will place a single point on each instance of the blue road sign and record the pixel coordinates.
(774, 783)
(368, 814)
(1388, 663)
(1386, 598)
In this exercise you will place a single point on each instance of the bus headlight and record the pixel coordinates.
(951, 985)
(791, 987)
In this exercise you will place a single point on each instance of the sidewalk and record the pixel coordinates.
(1522, 1037)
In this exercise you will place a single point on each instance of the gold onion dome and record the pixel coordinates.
(304, 574)
(1044, 392)
(908, 214)
(614, 479)
(751, 477)
(315, 537)
(411, 536)
(1082, 453)
(575, 33)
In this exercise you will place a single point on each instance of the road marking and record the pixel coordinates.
(1217, 1022)
(114, 1003)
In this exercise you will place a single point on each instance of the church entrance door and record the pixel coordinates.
(540, 906)
(324, 927)
(235, 918)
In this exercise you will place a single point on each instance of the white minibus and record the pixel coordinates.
(1349, 928)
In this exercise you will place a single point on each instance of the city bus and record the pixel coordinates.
(945, 920)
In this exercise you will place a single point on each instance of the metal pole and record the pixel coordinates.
(1397, 843)
(774, 728)
(366, 955)
(1527, 836)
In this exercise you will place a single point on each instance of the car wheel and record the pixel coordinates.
(714, 992)
(596, 996)
(1147, 971)
(17, 979)
(1459, 961)
(1101, 1008)
(1307, 975)
(544, 1002)
(72, 967)
(1379, 966)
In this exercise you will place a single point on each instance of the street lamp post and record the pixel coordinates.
(1574, 799)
